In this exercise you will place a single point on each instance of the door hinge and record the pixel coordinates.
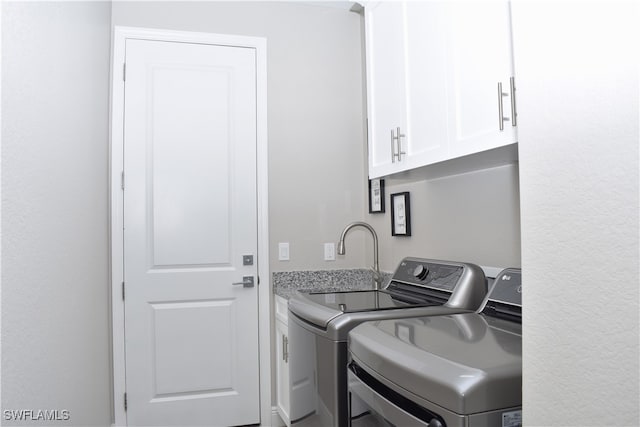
(122, 180)
(258, 280)
(125, 401)
(124, 72)
(122, 291)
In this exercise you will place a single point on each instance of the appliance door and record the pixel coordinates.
(302, 370)
(314, 376)
(385, 407)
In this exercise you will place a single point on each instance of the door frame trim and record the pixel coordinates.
(116, 220)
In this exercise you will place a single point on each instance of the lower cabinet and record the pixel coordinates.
(282, 355)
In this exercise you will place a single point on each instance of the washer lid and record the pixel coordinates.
(460, 362)
(319, 308)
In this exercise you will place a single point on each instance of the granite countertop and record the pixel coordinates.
(285, 283)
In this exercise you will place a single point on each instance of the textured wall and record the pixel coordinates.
(55, 300)
(315, 113)
(578, 127)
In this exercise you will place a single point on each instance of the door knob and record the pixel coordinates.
(247, 282)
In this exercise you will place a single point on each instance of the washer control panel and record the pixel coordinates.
(434, 274)
(508, 287)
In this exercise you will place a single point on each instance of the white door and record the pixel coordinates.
(191, 335)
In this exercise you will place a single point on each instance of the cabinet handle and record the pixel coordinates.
(397, 138)
(400, 152)
(393, 148)
(285, 353)
(501, 118)
(514, 114)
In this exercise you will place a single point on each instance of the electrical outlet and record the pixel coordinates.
(283, 251)
(329, 251)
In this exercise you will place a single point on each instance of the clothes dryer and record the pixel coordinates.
(461, 370)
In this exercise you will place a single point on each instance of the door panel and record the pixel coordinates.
(187, 356)
(191, 336)
(190, 224)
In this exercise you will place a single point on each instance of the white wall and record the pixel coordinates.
(578, 126)
(55, 300)
(472, 217)
(314, 113)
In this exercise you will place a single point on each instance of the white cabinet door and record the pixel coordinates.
(386, 85)
(282, 359)
(480, 57)
(426, 60)
(282, 371)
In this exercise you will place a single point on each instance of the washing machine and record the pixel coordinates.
(460, 370)
(319, 323)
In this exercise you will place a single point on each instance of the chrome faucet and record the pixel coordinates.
(377, 278)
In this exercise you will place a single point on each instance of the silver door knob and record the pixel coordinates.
(247, 282)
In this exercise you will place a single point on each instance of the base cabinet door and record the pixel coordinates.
(282, 371)
(283, 401)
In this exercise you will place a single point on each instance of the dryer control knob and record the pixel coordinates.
(434, 423)
(420, 272)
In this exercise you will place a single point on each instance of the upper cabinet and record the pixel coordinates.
(386, 84)
(481, 78)
(439, 81)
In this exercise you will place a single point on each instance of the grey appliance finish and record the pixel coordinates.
(460, 370)
(319, 324)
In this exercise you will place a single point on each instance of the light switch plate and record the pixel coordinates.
(329, 251)
(283, 251)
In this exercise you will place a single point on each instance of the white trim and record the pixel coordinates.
(276, 420)
(116, 203)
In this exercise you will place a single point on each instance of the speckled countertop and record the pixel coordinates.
(285, 283)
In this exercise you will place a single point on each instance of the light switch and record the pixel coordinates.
(329, 251)
(283, 251)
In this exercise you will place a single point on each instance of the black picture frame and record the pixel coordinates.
(376, 196)
(401, 214)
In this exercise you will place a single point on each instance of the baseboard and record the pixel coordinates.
(276, 421)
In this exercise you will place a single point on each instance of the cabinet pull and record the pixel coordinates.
(397, 138)
(393, 148)
(285, 353)
(514, 114)
(501, 118)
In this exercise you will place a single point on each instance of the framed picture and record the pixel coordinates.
(376, 196)
(400, 214)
